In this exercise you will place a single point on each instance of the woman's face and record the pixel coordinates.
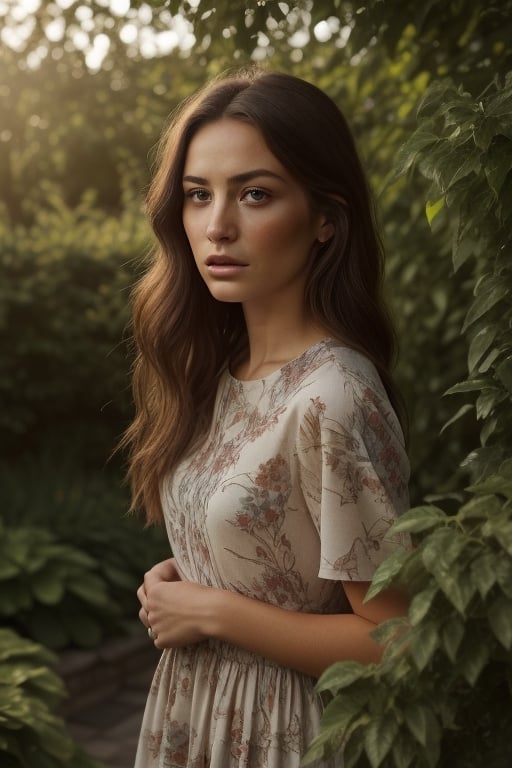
(249, 223)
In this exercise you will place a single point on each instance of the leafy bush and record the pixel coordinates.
(442, 697)
(51, 591)
(31, 734)
(70, 557)
(64, 299)
(443, 694)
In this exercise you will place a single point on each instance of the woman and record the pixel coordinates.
(265, 433)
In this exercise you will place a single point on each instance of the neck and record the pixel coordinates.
(276, 336)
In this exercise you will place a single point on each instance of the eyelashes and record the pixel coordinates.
(255, 195)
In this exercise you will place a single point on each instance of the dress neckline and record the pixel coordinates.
(274, 375)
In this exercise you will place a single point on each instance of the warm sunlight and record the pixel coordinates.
(147, 31)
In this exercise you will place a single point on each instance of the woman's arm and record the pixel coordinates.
(181, 613)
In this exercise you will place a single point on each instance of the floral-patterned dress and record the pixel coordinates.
(293, 491)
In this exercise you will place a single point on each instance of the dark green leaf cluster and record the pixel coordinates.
(64, 303)
(73, 530)
(442, 696)
(423, 706)
(31, 734)
(53, 592)
(464, 146)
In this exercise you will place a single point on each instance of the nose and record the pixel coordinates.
(221, 225)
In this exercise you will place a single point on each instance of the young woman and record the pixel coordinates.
(266, 434)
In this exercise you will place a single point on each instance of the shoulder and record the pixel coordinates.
(339, 374)
(344, 386)
(341, 364)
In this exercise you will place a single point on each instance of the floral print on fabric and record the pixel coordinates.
(293, 491)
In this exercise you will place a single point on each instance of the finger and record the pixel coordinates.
(158, 643)
(141, 593)
(143, 616)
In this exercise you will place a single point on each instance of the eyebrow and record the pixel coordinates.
(240, 178)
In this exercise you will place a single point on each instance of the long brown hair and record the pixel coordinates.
(184, 337)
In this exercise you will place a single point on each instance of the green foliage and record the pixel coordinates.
(63, 314)
(443, 692)
(442, 696)
(31, 734)
(51, 591)
(70, 558)
(464, 146)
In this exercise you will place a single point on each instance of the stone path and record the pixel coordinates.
(107, 694)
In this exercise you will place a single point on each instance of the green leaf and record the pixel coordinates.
(432, 209)
(415, 715)
(386, 573)
(390, 629)
(408, 153)
(452, 636)
(479, 345)
(474, 656)
(494, 484)
(504, 373)
(487, 400)
(488, 360)
(498, 163)
(472, 385)
(500, 619)
(340, 675)
(48, 587)
(503, 534)
(424, 643)
(483, 303)
(422, 603)
(483, 572)
(419, 519)
(433, 741)
(504, 574)
(458, 415)
(91, 589)
(488, 429)
(459, 168)
(405, 751)
(379, 736)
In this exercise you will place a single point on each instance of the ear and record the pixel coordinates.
(326, 227)
(325, 230)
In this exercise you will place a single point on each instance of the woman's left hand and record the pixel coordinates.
(178, 612)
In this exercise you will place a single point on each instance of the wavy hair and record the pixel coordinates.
(184, 337)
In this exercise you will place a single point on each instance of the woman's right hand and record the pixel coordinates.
(167, 570)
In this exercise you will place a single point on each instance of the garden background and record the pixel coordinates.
(86, 87)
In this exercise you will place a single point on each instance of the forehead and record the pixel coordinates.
(229, 144)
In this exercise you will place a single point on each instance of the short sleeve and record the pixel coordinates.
(353, 473)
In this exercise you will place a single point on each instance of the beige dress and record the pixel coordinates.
(294, 491)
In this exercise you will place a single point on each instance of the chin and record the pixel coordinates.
(226, 294)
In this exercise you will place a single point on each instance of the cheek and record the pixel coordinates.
(282, 233)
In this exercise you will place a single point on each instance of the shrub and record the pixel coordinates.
(442, 696)
(64, 298)
(52, 591)
(70, 557)
(31, 734)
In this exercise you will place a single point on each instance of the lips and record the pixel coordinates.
(223, 261)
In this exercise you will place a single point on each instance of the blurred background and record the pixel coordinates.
(86, 88)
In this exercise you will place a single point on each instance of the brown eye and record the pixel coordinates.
(256, 195)
(198, 195)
